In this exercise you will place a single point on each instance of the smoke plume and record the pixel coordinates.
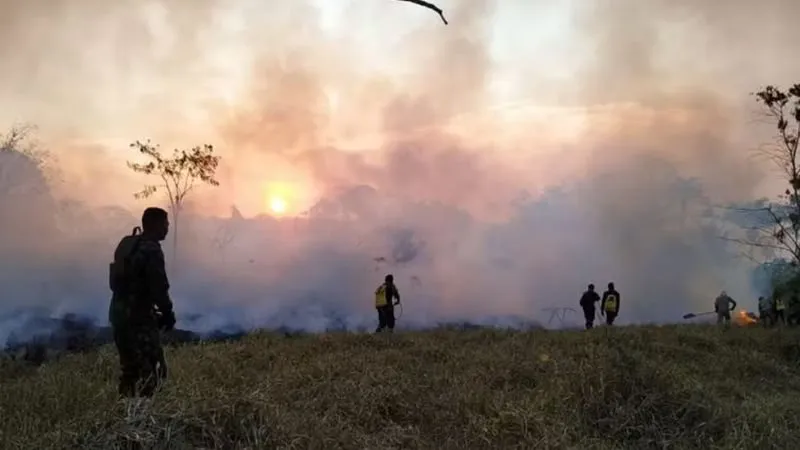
(495, 166)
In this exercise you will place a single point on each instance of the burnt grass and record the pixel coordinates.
(51, 338)
(676, 387)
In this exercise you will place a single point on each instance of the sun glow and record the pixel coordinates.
(287, 197)
(277, 205)
(278, 198)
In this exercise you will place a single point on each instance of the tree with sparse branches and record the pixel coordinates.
(20, 139)
(774, 225)
(11, 141)
(178, 174)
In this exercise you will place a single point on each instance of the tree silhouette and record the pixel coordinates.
(23, 164)
(12, 140)
(20, 139)
(179, 174)
(774, 225)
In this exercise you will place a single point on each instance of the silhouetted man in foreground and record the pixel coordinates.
(141, 306)
(588, 300)
(384, 295)
(610, 305)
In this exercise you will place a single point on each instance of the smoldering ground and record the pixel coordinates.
(394, 142)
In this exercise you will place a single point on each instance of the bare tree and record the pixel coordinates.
(20, 139)
(10, 141)
(179, 174)
(773, 226)
(428, 5)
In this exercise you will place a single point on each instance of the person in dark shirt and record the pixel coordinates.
(793, 310)
(588, 301)
(764, 311)
(141, 307)
(384, 295)
(610, 305)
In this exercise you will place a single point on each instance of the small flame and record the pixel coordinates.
(746, 318)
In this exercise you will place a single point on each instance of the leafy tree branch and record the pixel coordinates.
(179, 174)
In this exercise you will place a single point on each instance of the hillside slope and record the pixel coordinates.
(637, 388)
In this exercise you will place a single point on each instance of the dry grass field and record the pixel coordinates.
(676, 387)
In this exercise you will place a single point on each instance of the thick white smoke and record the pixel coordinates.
(399, 145)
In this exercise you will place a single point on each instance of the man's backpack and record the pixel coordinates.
(119, 270)
(612, 303)
(380, 296)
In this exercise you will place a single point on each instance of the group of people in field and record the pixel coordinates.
(609, 305)
(141, 307)
(781, 308)
(778, 309)
(387, 297)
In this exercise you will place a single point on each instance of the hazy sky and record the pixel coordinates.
(604, 114)
(109, 74)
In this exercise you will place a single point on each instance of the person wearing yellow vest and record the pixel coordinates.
(386, 297)
(609, 307)
(780, 308)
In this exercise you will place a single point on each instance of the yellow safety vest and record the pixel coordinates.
(380, 296)
(780, 305)
(611, 303)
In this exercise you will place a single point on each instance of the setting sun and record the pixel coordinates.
(277, 205)
(285, 197)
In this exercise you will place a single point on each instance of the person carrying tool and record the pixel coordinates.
(610, 304)
(723, 305)
(384, 295)
(587, 302)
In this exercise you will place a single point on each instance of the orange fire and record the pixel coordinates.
(744, 318)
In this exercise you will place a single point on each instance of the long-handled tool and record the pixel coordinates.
(693, 315)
